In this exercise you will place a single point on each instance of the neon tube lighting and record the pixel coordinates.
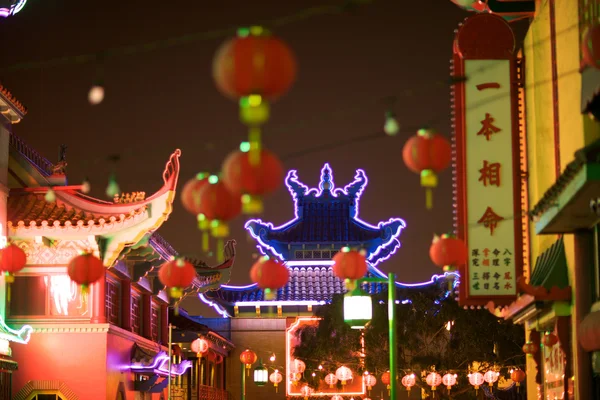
(281, 303)
(310, 263)
(15, 8)
(299, 189)
(159, 364)
(21, 336)
(223, 312)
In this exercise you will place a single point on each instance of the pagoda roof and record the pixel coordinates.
(326, 219)
(312, 284)
(10, 106)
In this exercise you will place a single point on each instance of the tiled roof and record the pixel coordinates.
(588, 154)
(28, 208)
(12, 99)
(36, 159)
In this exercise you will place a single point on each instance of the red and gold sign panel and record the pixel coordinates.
(487, 160)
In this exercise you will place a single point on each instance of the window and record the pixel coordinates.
(5, 385)
(50, 295)
(113, 303)
(155, 323)
(136, 314)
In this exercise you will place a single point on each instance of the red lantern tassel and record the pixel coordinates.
(220, 250)
(428, 181)
(204, 226)
(8, 292)
(85, 290)
(254, 137)
(252, 205)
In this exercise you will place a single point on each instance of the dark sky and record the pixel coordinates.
(163, 100)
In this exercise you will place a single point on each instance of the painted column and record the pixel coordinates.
(126, 304)
(4, 155)
(98, 294)
(146, 300)
(164, 323)
(582, 302)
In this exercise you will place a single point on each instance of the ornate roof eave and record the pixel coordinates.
(10, 107)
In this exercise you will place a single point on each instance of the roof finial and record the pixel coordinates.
(326, 184)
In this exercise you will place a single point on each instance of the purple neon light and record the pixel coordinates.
(217, 307)
(4, 12)
(159, 364)
(360, 178)
(15, 8)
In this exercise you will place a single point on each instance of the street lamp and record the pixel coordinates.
(261, 374)
(358, 308)
(358, 311)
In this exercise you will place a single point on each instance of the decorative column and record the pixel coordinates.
(164, 324)
(98, 295)
(146, 301)
(126, 304)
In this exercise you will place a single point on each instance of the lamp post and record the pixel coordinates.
(358, 310)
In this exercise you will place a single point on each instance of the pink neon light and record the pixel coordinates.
(297, 188)
(159, 364)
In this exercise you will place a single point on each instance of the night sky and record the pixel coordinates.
(349, 64)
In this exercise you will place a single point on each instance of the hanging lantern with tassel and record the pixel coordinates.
(275, 378)
(549, 339)
(427, 153)
(219, 206)
(476, 379)
(385, 379)
(331, 380)
(307, 391)
(248, 357)
(530, 348)
(434, 380)
(517, 376)
(86, 269)
(449, 380)
(350, 265)
(254, 68)
(12, 260)
(252, 181)
(190, 198)
(270, 275)
(176, 275)
(199, 346)
(448, 252)
(370, 381)
(491, 377)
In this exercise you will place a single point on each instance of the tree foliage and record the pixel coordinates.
(476, 339)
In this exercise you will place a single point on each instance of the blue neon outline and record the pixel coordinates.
(14, 335)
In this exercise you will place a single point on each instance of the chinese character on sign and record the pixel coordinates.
(476, 276)
(508, 286)
(476, 286)
(496, 262)
(490, 219)
(487, 127)
(490, 174)
(475, 253)
(507, 276)
(486, 276)
(475, 262)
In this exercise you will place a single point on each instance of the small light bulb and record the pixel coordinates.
(96, 94)
(391, 127)
(320, 367)
(50, 196)
(313, 374)
(85, 186)
(272, 358)
(113, 188)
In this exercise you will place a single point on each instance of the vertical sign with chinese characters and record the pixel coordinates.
(487, 160)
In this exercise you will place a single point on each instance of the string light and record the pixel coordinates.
(96, 95)
(391, 126)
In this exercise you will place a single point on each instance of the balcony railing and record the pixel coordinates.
(211, 393)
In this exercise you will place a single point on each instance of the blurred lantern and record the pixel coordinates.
(254, 68)
(427, 153)
(248, 357)
(349, 265)
(491, 377)
(476, 379)
(449, 380)
(176, 275)
(96, 95)
(590, 48)
(12, 260)
(298, 366)
(385, 379)
(337, 397)
(517, 376)
(85, 269)
(190, 198)
(50, 196)
(589, 332)
(219, 206)
(331, 380)
(530, 348)
(408, 381)
(295, 377)
(113, 189)
(199, 346)
(306, 391)
(261, 374)
(370, 381)
(549, 339)
(252, 181)
(434, 380)
(276, 379)
(86, 186)
(270, 275)
(391, 126)
(343, 374)
(448, 252)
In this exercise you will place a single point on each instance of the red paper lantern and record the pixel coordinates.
(448, 252)
(549, 339)
(248, 357)
(270, 275)
(589, 332)
(176, 275)
(254, 62)
(590, 48)
(85, 270)
(200, 346)
(349, 264)
(190, 198)
(517, 376)
(427, 153)
(12, 260)
(252, 180)
(530, 348)
(385, 379)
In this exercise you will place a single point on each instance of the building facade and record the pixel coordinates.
(110, 343)
(555, 116)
